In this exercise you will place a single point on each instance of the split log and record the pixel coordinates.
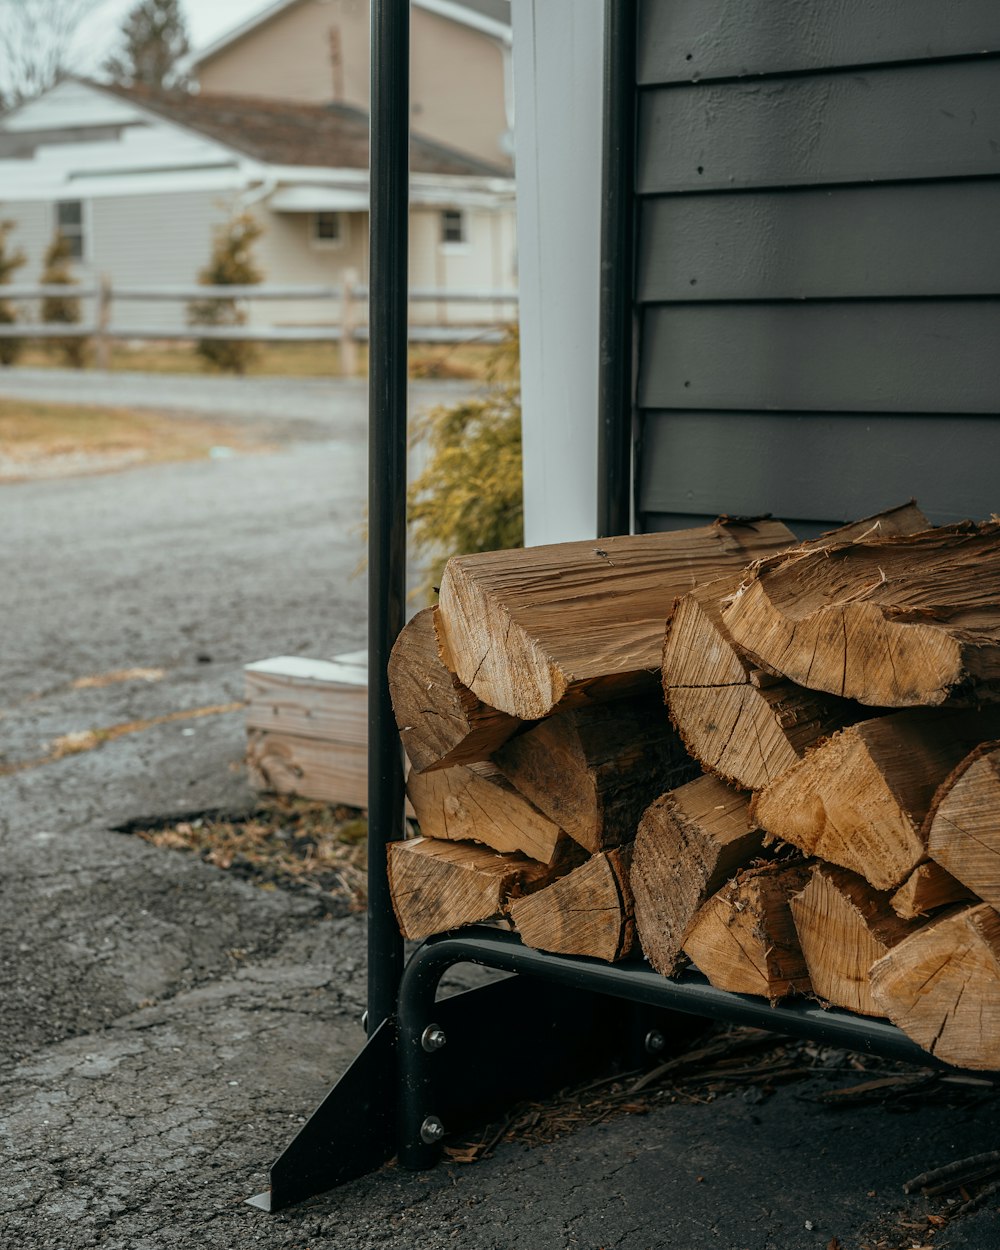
(308, 767)
(941, 986)
(594, 770)
(963, 825)
(928, 888)
(739, 723)
(689, 843)
(893, 622)
(479, 804)
(554, 626)
(441, 722)
(744, 939)
(588, 912)
(844, 926)
(859, 799)
(436, 886)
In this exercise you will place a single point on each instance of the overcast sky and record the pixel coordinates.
(206, 19)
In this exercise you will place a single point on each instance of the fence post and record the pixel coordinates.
(102, 344)
(348, 324)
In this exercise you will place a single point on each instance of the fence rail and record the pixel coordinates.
(348, 327)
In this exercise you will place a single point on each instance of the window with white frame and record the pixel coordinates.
(453, 226)
(70, 224)
(327, 229)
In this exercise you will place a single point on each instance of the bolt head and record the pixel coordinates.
(431, 1131)
(655, 1042)
(433, 1037)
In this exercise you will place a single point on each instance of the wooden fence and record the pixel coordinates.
(348, 325)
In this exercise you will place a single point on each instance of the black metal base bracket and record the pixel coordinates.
(443, 1066)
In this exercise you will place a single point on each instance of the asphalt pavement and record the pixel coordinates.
(166, 1027)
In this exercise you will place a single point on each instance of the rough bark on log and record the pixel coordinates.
(739, 723)
(436, 886)
(743, 939)
(928, 888)
(894, 622)
(477, 803)
(963, 825)
(588, 912)
(689, 843)
(594, 770)
(941, 986)
(551, 626)
(441, 722)
(859, 799)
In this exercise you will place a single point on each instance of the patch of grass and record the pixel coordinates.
(51, 440)
(286, 843)
(296, 360)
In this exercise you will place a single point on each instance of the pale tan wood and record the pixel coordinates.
(544, 627)
(325, 699)
(859, 799)
(478, 803)
(689, 843)
(743, 939)
(741, 723)
(309, 767)
(436, 886)
(441, 722)
(588, 912)
(892, 622)
(928, 888)
(963, 825)
(941, 986)
(844, 926)
(593, 770)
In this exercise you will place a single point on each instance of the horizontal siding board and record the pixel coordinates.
(681, 39)
(853, 241)
(884, 356)
(820, 468)
(913, 122)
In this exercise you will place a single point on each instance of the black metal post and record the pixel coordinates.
(614, 448)
(387, 377)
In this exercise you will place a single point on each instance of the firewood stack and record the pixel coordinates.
(816, 809)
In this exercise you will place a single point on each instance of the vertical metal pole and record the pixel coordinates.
(614, 447)
(389, 214)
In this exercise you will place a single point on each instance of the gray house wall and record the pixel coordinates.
(818, 259)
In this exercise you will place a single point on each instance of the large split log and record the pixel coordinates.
(532, 630)
(587, 912)
(743, 939)
(928, 888)
(941, 986)
(859, 799)
(844, 926)
(892, 622)
(437, 886)
(594, 770)
(689, 843)
(963, 825)
(441, 722)
(738, 722)
(478, 803)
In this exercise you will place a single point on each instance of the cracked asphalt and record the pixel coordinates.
(166, 1028)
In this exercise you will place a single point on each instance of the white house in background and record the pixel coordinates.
(139, 180)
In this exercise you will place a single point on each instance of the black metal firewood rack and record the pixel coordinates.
(433, 1067)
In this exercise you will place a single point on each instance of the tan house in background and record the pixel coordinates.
(316, 51)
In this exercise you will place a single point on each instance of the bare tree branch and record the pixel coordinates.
(36, 38)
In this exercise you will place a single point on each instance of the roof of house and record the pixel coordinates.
(492, 17)
(281, 132)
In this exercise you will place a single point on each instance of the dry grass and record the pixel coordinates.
(56, 440)
(299, 360)
(286, 842)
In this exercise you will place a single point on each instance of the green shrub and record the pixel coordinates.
(62, 309)
(10, 262)
(231, 264)
(469, 495)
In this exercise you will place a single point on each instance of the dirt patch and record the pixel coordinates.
(65, 440)
(284, 843)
